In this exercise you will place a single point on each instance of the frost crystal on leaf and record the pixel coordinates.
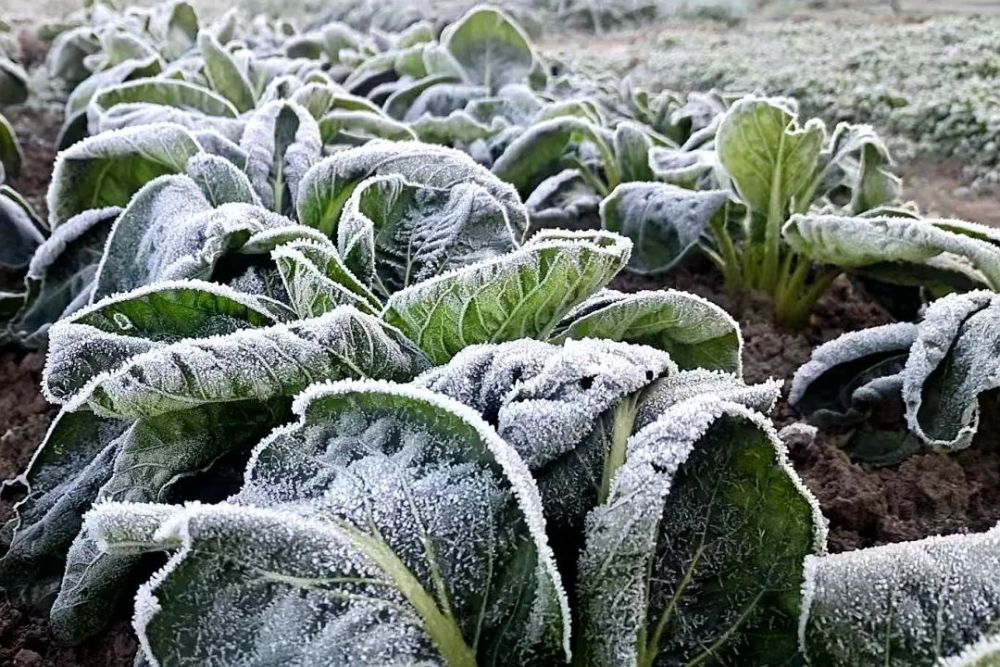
(906, 604)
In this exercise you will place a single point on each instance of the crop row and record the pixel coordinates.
(314, 358)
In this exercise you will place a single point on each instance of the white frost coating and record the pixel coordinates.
(859, 242)
(64, 235)
(720, 407)
(678, 319)
(266, 168)
(850, 347)
(685, 385)
(121, 527)
(166, 142)
(516, 295)
(67, 333)
(170, 230)
(935, 595)
(515, 469)
(622, 534)
(483, 376)
(671, 218)
(406, 232)
(253, 363)
(427, 164)
(944, 339)
(984, 653)
(547, 415)
(310, 290)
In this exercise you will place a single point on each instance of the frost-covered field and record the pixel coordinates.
(342, 336)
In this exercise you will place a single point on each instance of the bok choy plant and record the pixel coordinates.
(938, 374)
(755, 168)
(209, 310)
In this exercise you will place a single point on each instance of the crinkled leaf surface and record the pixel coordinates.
(174, 93)
(61, 482)
(102, 337)
(171, 231)
(259, 364)
(154, 453)
(282, 142)
(697, 555)
(326, 187)
(693, 331)
(868, 243)
(389, 525)
(901, 604)
(664, 221)
(954, 358)
(107, 169)
(317, 281)
(394, 233)
(523, 294)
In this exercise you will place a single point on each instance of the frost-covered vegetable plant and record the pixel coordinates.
(443, 523)
(937, 374)
(209, 309)
(930, 603)
(755, 168)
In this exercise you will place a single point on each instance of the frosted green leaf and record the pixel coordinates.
(542, 151)
(693, 331)
(395, 234)
(282, 142)
(173, 215)
(664, 221)
(523, 294)
(686, 168)
(102, 337)
(107, 169)
(259, 364)
(564, 200)
(352, 128)
(174, 24)
(75, 124)
(772, 162)
(326, 188)
(174, 93)
(153, 455)
(224, 75)
(908, 604)
(391, 526)
(457, 128)
(881, 245)
(220, 181)
(61, 482)
(398, 104)
(491, 49)
(849, 375)
(631, 144)
(686, 385)
(954, 358)
(61, 273)
(442, 100)
(697, 554)
(317, 280)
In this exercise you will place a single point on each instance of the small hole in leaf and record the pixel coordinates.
(587, 382)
